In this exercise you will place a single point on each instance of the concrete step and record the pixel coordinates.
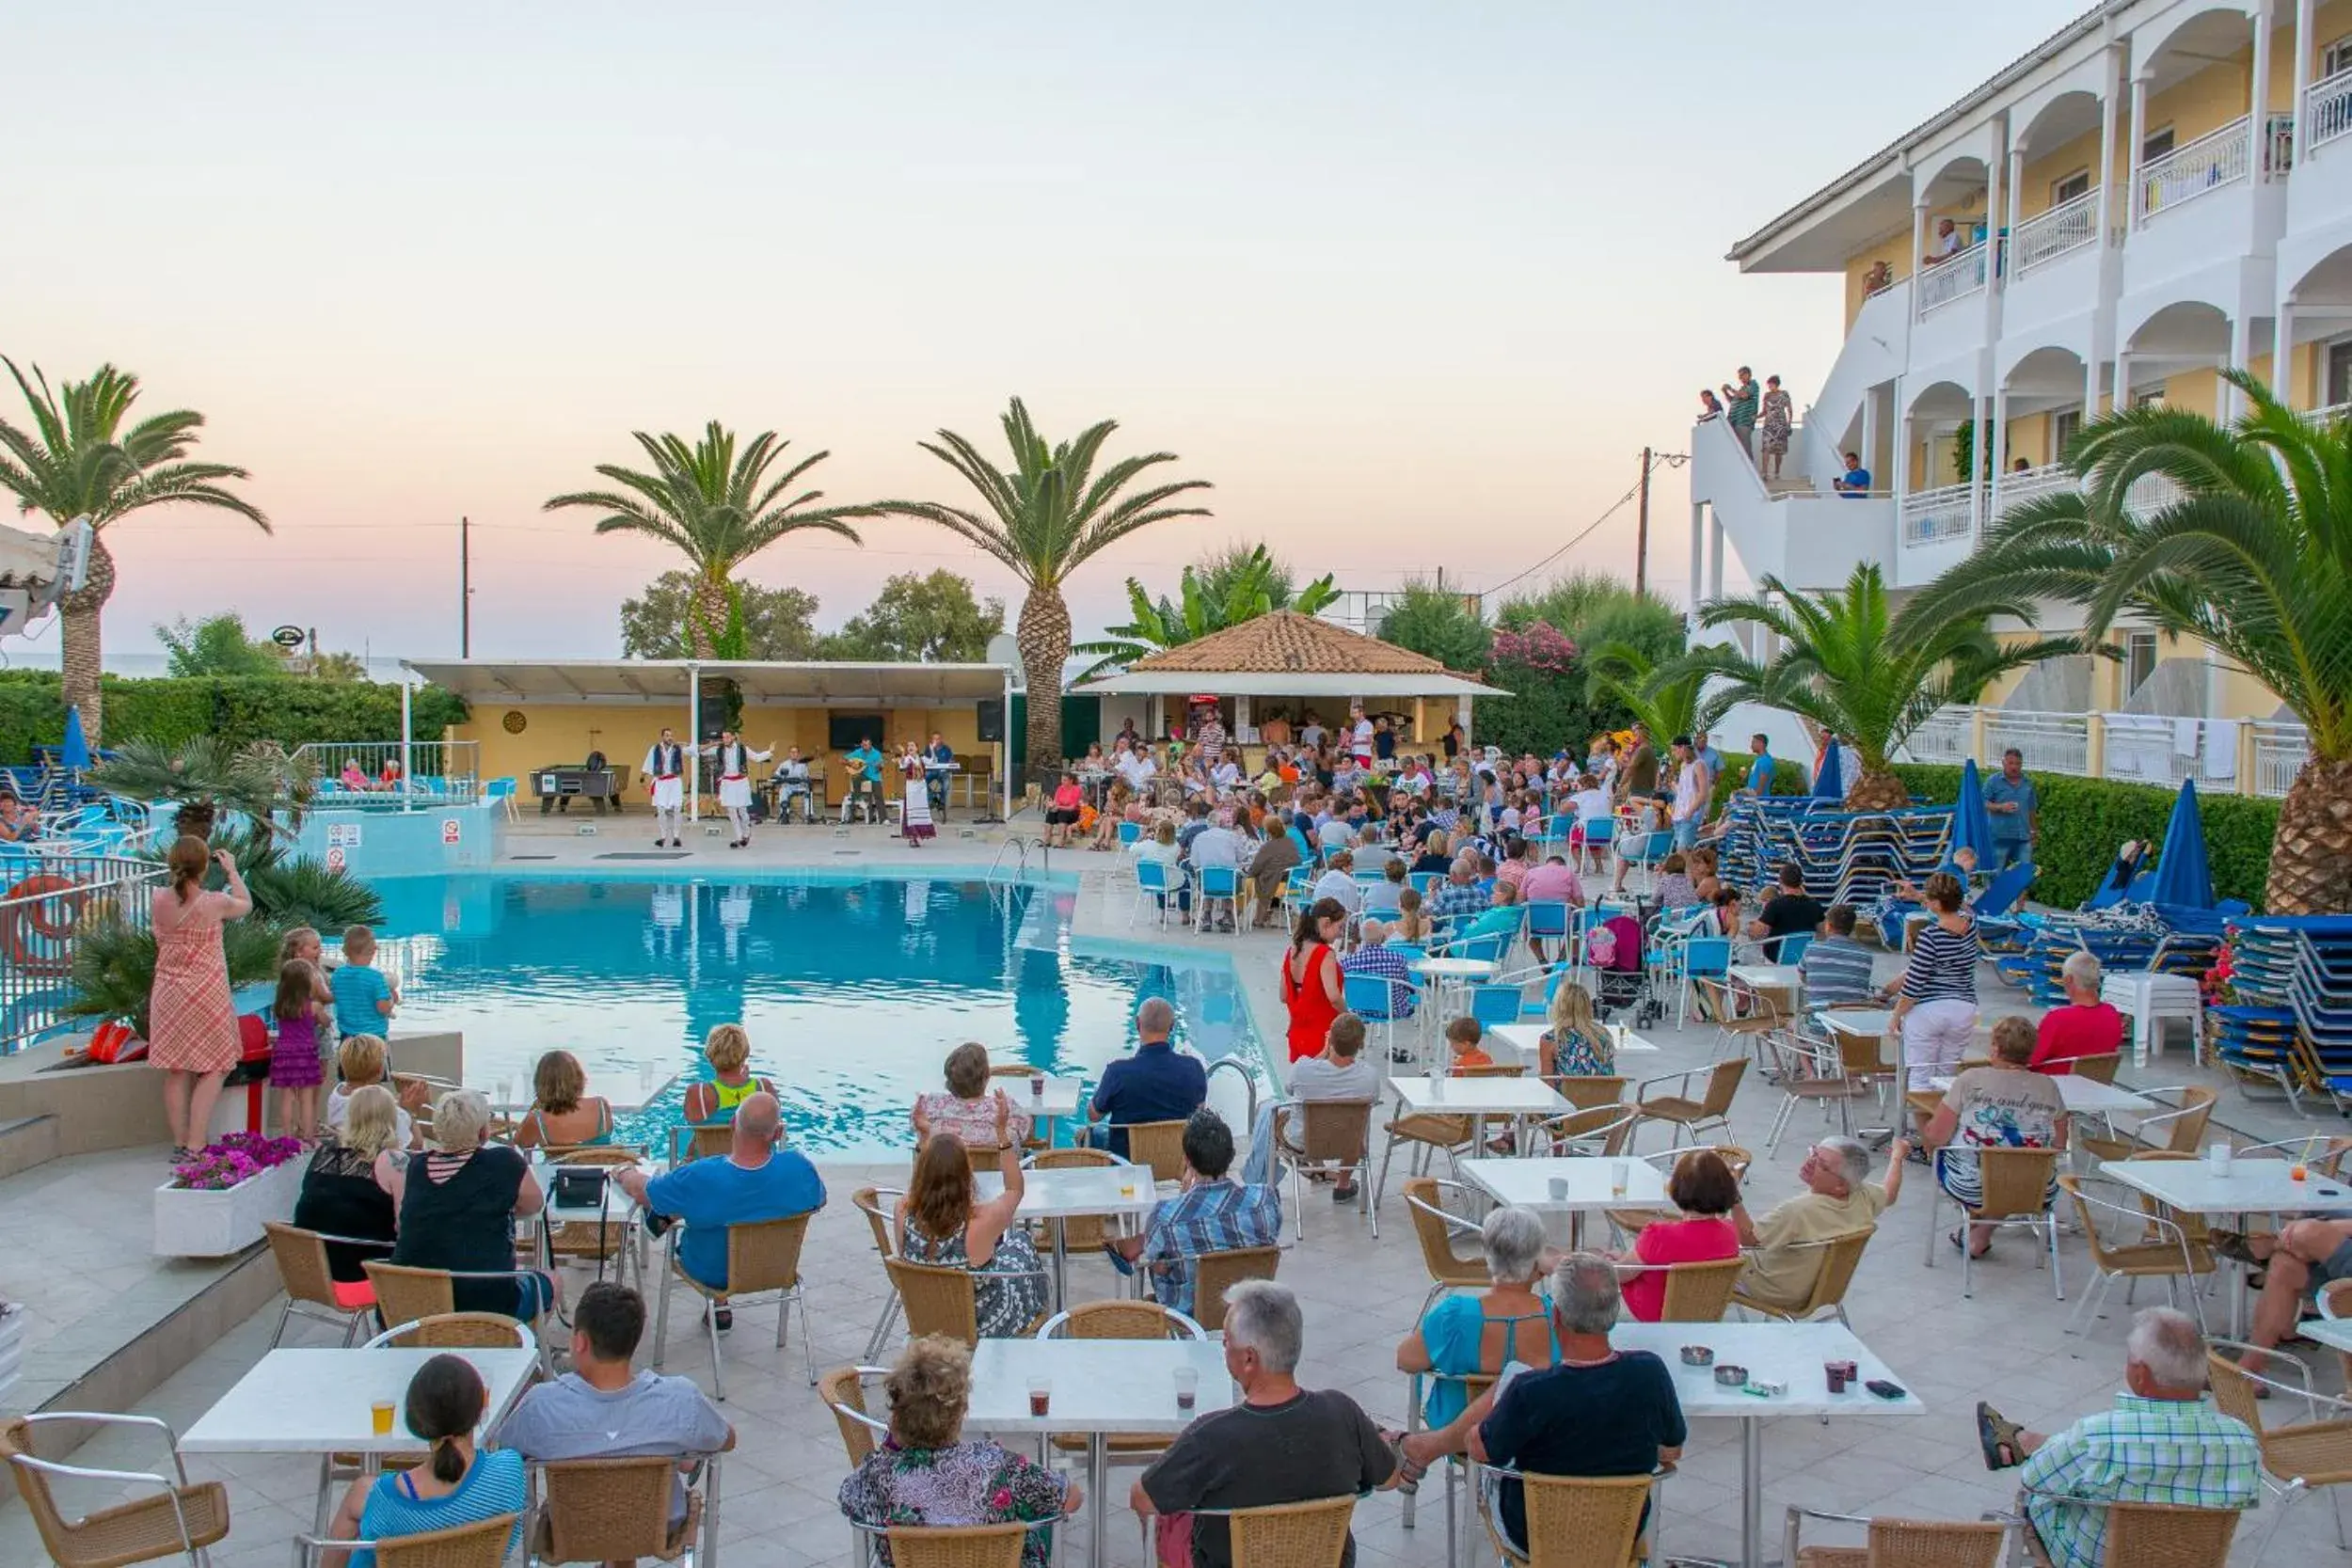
(26, 1142)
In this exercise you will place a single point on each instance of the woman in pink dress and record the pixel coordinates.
(192, 1023)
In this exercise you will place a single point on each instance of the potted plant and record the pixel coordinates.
(219, 1197)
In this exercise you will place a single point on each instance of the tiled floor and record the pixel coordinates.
(2007, 1344)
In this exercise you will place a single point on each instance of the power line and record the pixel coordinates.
(1667, 459)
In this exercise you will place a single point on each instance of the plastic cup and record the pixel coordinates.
(1437, 1085)
(1559, 1189)
(505, 1087)
(1126, 1186)
(380, 1417)
(2298, 1173)
(1041, 1395)
(1836, 1372)
(1620, 1177)
(1037, 1087)
(1187, 1388)
(2218, 1157)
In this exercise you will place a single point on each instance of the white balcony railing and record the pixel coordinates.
(1950, 280)
(2328, 109)
(2151, 494)
(2279, 752)
(2211, 161)
(1945, 737)
(2046, 236)
(2160, 750)
(2331, 414)
(2052, 742)
(1932, 516)
(2015, 489)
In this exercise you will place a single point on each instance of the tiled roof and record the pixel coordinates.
(1286, 643)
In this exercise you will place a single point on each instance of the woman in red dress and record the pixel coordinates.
(1311, 978)
(192, 1023)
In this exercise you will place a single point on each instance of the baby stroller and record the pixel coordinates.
(1613, 949)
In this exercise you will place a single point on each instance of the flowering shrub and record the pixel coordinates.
(238, 1157)
(1539, 647)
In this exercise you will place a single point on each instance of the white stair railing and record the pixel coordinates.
(2046, 236)
(2213, 160)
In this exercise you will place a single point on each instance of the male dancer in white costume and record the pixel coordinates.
(735, 783)
(665, 776)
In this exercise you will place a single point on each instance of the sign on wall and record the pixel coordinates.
(342, 835)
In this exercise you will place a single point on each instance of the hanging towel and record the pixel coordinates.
(2221, 749)
(2185, 737)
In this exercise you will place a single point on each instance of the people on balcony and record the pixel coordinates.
(1740, 409)
(1777, 420)
(1947, 243)
(1854, 484)
(1710, 407)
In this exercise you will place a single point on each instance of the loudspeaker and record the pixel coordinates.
(992, 718)
(716, 694)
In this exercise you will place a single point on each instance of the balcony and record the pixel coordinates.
(2213, 162)
(1952, 280)
(2224, 755)
(2046, 237)
(1937, 516)
(2328, 110)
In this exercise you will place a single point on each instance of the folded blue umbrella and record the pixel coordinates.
(73, 756)
(1972, 825)
(2184, 875)
(1830, 782)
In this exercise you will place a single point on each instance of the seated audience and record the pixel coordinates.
(1704, 1189)
(1156, 1084)
(1339, 1073)
(340, 1195)
(1374, 958)
(562, 1113)
(1338, 882)
(1385, 896)
(1575, 1043)
(603, 1408)
(1412, 921)
(1790, 912)
(1464, 1336)
(1459, 899)
(1269, 868)
(361, 1061)
(2085, 1025)
(456, 1484)
(728, 1049)
(2164, 1442)
(926, 1474)
(966, 1108)
(1554, 882)
(1836, 967)
(1598, 1411)
(1280, 1444)
(1212, 1212)
(1837, 1199)
(1501, 918)
(1435, 859)
(943, 1219)
(755, 1181)
(458, 1202)
(2004, 1105)
(1675, 891)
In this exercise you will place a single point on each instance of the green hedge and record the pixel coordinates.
(1787, 777)
(2083, 819)
(268, 707)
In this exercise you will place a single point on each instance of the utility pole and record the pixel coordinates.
(465, 588)
(1641, 538)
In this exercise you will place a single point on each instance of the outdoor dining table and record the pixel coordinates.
(616, 1208)
(1095, 1388)
(1079, 1192)
(1517, 1098)
(2087, 1097)
(1588, 1185)
(1528, 1040)
(1063, 1098)
(1780, 978)
(2257, 1186)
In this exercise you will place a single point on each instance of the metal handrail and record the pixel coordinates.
(1248, 1078)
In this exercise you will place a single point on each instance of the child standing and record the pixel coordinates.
(364, 999)
(294, 1059)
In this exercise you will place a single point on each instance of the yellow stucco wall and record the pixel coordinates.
(2045, 168)
(1895, 251)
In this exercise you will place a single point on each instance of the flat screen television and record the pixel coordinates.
(843, 731)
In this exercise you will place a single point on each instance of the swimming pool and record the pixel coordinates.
(853, 987)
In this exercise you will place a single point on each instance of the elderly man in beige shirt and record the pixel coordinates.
(1838, 1199)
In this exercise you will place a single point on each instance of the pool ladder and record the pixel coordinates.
(1019, 845)
(1249, 1081)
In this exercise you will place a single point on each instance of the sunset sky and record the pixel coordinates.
(1412, 285)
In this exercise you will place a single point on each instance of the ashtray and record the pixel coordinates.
(1731, 1376)
(1697, 1355)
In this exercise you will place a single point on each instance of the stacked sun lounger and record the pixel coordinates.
(2290, 1024)
(1855, 857)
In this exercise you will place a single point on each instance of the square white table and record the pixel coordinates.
(1792, 1354)
(1527, 1039)
(1099, 1387)
(1590, 1183)
(2259, 1186)
(1063, 1098)
(2335, 1333)
(1857, 1020)
(1108, 1191)
(1787, 977)
(1479, 1097)
(618, 1208)
(305, 1400)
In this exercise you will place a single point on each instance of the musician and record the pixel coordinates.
(940, 757)
(865, 781)
(733, 759)
(665, 777)
(791, 779)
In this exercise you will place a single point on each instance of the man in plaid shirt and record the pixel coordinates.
(1459, 897)
(2163, 1443)
(1213, 1213)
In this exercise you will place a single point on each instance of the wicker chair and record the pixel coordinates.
(611, 1510)
(407, 1294)
(1588, 1093)
(951, 1546)
(1119, 1320)
(1815, 1073)
(1573, 1521)
(1899, 1543)
(178, 1521)
(1286, 1535)
(1750, 1033)
(762, 1256)
(1159, 1145)
(2178, 1131)
(868, 1202)
(2099, 1069)
(1429, 1133)
(843, 1389)
(1216, 1272)
(1698, 1293)
(310, 1283)
(1330, 1132)
(1443, 1237)
(939, 1298)
(1840, 1256)
(1611, 1125)
(455, 1331)
(2017, 1184)
(599, 1240)
(2148, 1535)
(1711, 1109)
(2296, 1459)
(481, 1544)
(2164, 1251)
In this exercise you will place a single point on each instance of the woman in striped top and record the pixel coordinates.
(1937, 1008)
(455, 1485)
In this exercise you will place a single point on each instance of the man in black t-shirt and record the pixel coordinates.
(1790, 912)
(1282, 1444)
(1599, 1412)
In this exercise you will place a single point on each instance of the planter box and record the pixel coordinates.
(192, 1223)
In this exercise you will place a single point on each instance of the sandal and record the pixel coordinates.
(1999, 1437)
(1118, 1260)
(1408, 1473)
(1959, 1244)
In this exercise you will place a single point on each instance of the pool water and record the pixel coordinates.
(854, 989)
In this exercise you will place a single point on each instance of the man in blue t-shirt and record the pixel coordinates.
(1154, 1084)
(2015, 807)
(1761, 770)
(755, 1181)
(864, 780)
(1854, 484)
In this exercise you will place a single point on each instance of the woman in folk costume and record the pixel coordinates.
(916, 821)
(733, 760)
(665, 775)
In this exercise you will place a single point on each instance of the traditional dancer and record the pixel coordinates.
(914, 824)
(665, 776)
(734, 784)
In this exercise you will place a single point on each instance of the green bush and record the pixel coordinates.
(169, 711)
(1788, 779)
(2083, 821)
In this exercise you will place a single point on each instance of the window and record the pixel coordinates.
(2338, 373)
(2065, 426)
(2336, 58)
(2153, 398)
(2074, 185)
(2139, 661)
(2159, 142)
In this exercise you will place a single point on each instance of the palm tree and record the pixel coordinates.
(2252, 557)
(78, 461)
(1850, 663)
(1044, 517)
(207, 777)
(1663, 698)
(716, 507)
(1226, 593)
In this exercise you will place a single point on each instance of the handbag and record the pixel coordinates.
(580, 1186)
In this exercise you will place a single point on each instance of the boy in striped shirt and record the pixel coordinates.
(1836, 968)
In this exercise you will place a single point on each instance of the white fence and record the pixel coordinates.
(2213, 160)
(2328, 109)
(1952, 280)
(57, 900)
(1931, 516)
(2227, 756)
(386, 774)
(2046, 236)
